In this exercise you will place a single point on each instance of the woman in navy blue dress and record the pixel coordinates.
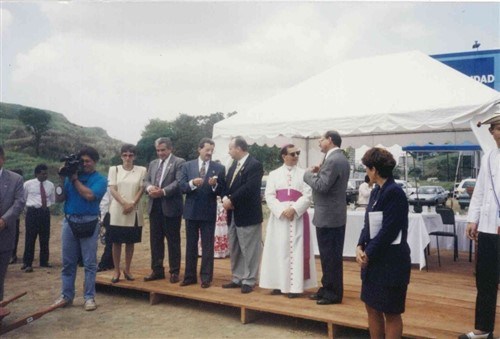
(384, 257)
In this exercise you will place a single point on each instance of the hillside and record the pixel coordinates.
(63, 138)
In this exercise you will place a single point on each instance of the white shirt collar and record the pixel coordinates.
(242, 160)
(330, 151)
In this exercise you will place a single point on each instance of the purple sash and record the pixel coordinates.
(294, 195)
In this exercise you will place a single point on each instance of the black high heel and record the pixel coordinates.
(128, 277)
(114, 280)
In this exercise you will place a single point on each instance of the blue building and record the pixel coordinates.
(483, 66)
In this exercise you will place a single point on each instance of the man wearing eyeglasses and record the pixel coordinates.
(329, 184)
(288, 230)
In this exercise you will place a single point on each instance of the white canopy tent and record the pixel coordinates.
(384, 100)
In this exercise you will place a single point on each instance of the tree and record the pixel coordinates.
(37, 122)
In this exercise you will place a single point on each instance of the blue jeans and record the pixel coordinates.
(71, 249)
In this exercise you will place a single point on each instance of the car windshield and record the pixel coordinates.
(427, 190)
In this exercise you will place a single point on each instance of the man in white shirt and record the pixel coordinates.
(40, 195)
(483, 226)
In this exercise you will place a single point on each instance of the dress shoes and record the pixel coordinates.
(231, 285)
(128, 277)
(174, 278)
(324, 301)
(205, 284)
(23, 267)
(187, 283)
(154, 276)
(276, 292)
(315, 296)
(28, 269)
(47, 265)
(246, 289)
(293, 295)
(471, 335)
(13, 260)
(115, 280)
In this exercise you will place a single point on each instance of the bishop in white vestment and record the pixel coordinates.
(288, 264)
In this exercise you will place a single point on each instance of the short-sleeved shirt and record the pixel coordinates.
(75, 203)
(128, 183)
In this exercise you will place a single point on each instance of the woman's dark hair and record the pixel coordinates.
(380, 159)
(91, 152)
(127, 148)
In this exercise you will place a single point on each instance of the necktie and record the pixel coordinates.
(159, 173)
(236, 170)
(43, 194)
(203, 170)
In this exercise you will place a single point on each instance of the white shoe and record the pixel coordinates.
(62, 301)
(471, 335)
(89, 305)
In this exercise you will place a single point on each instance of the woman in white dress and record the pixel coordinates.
(126, 221)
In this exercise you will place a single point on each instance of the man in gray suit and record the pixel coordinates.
(11, 205)
(165, 210)
(329, 184)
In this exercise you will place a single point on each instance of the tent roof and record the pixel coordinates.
(391, 94)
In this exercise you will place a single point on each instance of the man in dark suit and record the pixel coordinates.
(329, 184)
(11, 205)
(165, 210)
(202, 180)
(243, 204)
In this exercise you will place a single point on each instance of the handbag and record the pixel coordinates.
(82, 229)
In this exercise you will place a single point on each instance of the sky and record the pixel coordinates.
(116, 65)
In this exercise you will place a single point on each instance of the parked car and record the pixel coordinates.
(406, 186)
(429, 196)
(462, 186)
(464, 197)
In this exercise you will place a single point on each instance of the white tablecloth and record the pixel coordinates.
(418, 235)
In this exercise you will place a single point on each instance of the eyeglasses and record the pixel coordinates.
(294, 154)
(128, 155)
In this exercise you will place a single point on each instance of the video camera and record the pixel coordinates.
(72, 164)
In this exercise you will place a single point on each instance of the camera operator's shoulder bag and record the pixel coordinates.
(82, 229)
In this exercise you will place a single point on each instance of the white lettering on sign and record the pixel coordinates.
(484, 79)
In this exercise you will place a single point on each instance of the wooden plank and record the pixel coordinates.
(440, 303)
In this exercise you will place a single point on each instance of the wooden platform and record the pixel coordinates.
(440, 302)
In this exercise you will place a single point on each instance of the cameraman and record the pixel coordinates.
(82, 191)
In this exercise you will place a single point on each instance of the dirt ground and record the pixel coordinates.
(129, 315)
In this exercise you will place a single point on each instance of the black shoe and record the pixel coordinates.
(174, 278)
(23, 267)
(187, 283)
(315, 296)
(154, 276)
(231, 285)
(205, 284)
(115, 280)
(128, 277)
(293, 295)
(28, 269)
(276, 292)
(46, 265)
(324, 301)
(13, 260)
(246, 289)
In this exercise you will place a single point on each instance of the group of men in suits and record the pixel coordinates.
(202, 180)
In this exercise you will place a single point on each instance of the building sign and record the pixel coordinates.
(480, 69)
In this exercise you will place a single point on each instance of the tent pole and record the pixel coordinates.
(307, 148)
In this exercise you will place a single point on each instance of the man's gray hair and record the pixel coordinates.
(164, 140)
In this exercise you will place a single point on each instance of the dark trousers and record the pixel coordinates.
(331, 247)
(14, 252)
(193, 229)
(37, 225)
(4, 264)
(162, 227)
(487, 270)
(106, 261)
